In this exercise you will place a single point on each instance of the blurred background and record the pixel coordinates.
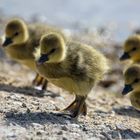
(119, 16)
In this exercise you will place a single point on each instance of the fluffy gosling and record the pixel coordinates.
(132, 84)
(72, 66)
(132, 49)
(21, 41)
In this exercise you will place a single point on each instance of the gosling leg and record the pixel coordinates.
(35, 79)
(44, 84)
(40, 81)
(72, 105)
(77, 107)
(84, 109)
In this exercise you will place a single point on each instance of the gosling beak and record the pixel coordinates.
(125, 56)
(7, 42)
(127, 89)
(43, 59)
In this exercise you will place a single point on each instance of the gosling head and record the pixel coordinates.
(16, 32)
(52, 47)
(132, 49)
(132, 79)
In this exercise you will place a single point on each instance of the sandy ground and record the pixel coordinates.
(27, 113)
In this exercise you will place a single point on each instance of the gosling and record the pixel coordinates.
(72, 66)
(21, 41)
(132, 49)
(132, 85)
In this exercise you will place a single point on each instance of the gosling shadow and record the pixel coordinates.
(27, 91)
(28, 119)
(127, 111)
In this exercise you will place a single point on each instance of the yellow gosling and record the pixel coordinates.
(21, 40)
(132, 85)
(72, 66)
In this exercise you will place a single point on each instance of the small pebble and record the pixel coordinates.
(60, 133)
(38, 133)
(24, 105)
(9, 114)
(64, 138)
(28, 110)
(64, 128)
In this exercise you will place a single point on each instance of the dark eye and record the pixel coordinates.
(52, 51)
(16, 33)
(134, 49)
(136, 80)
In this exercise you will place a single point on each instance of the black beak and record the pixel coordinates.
(127, 89)
(7, 42)
(125, 56)
(43, 59)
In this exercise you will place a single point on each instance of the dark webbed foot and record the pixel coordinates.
(77, 107)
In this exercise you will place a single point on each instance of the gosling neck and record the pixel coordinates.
(63, 51)
(25, 33)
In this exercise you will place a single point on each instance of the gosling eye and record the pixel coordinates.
(16, 33)
(52, 51)
(134, 49)
(136, 80)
